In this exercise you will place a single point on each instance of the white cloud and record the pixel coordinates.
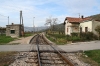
(41, 9)
(80, 6)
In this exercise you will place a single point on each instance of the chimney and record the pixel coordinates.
(12, 23)
(82, 16)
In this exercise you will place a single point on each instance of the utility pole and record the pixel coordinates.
(5, 16)
(8, 20)
(20, 16)
(20, 21)
(33, 25)
(21, 24)
(79, 15)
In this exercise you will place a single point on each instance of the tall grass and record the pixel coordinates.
(74, 37)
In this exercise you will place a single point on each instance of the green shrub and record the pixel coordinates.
(68, 38)
(75, 38)
(61, 41)
(57, 35)
(74, 34)
(95, 37)
(87, 36)
(61, 38)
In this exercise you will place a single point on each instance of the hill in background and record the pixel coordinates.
(58, 27)
(29, 29)
(95, 17)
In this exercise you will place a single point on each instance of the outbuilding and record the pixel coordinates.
(14, 30)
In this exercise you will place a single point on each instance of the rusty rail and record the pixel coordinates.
(64, 58)
(58, 52)
(39, 60)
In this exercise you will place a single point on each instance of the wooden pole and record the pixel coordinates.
(20, 21)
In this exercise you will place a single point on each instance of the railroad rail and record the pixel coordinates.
(52, 57)
(45, 53)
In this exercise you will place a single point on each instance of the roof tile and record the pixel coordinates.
(76, 20)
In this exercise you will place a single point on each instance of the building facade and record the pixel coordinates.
(14, 30)
(89, 26)
(76, 25)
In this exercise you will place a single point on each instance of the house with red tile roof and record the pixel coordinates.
(77, 25)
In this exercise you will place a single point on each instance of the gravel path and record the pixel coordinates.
(21, 40)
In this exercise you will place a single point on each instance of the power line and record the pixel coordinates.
(3, 15)
(7, 17)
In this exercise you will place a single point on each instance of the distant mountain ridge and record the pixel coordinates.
(95, 17)
(58, 27)
(34, 29)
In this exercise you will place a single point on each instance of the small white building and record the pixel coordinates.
(89, 26)
(76, 25)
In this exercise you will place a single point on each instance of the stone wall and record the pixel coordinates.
(16, 28)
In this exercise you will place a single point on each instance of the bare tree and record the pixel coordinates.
(51, 21)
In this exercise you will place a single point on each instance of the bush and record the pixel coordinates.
(61, 41)
(68, 38)
(57, 35)
(95, 37)
(60, 38)
(87, 36)
(75, 38)
(74, 34)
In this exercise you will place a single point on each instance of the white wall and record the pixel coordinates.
(86, 24)
(69, 28)
(90, 24)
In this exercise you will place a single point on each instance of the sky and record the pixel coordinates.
(43, 9)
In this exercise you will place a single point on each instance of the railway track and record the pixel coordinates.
(51, 57)
(44, 53)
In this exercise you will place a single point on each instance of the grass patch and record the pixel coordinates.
(94, 55)
(7, 58)
(58, 39)
(5, 39)
(74, 37)
(28, 34)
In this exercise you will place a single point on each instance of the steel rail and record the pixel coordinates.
(59, 53)
(38, 50)
(63, 57)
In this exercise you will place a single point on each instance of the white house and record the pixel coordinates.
(89, 26)
(75, 25)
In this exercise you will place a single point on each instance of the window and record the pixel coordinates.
(86, 29)
(12, 31)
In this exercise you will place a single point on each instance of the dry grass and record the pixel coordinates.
(7, 58)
